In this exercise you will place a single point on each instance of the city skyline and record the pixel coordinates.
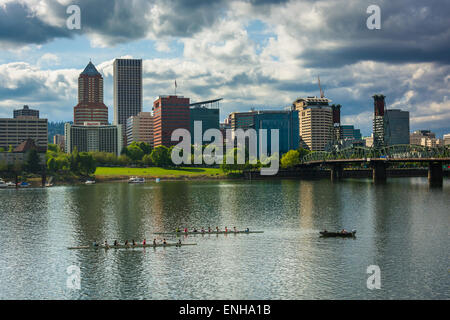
(265, 59)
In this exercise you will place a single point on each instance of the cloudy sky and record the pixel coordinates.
(262, 54)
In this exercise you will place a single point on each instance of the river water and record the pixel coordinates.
(402, 227)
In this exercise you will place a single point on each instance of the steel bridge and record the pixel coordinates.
(379, 159)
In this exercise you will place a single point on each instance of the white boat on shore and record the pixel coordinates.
(136, 180)
(3, 184)
(89, 182)
(10, 184)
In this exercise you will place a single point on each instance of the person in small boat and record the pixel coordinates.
(185, 230)
(195, 229)
(234, 228)
(209, 229)
(247, 230)
(343, 231)
(154, 242)
(143, 242)
(95, 244)
(179, 243)
(203, 230)
(217, 229)
(126, 242)
(116, 243)
(133, 242)
(164, 242)
(106, 244)
(177, 229)
(226, 229)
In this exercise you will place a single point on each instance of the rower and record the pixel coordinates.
(133, 242)
(209, 229)
(185, 230)
(177, 229)
(217, 229)
(247, 230)
(203, 230)
(226, 229)
(126, 243)
(154, 242)
(106, 244)
(143, 242)
(195, 229)
(179, 243)
(234, 228)
(95, 244)
(115, 243)
(164, 242)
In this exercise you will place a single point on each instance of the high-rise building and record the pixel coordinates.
(140, 128)
(416, 137)
(285, 121)
(26, 112)
(349, 132)
(90, 105)
(59, 140)
(14, 131)
(316, 124)
(127, 90)
(207, 112)
(170, 113)
(397, 124)
(379, 123)
(446, 139)
(92, 136)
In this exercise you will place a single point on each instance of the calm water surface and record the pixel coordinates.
(403, 227)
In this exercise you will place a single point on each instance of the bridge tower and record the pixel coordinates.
(435, 174)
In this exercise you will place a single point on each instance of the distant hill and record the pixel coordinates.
(55, 128)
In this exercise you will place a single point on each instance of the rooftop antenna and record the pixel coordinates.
(320, 88)
(175, 86)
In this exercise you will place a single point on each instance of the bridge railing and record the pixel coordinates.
(401, 151)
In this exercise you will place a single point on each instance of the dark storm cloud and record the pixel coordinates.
(411, 31)
(19, 26)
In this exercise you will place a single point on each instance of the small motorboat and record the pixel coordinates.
(24, 185)
(10, 184)
(342, 234)
(3, 184)
(136, 180)
(89, 182)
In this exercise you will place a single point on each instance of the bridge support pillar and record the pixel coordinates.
(435, 174)
(336, 173)
(379, 172)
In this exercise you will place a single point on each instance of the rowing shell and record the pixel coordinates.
(202, 233)
(122, 246)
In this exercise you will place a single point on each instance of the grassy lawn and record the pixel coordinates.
(157, 172)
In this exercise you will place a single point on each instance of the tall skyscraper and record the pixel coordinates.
(391, 126)
(90, 105)
(379, 123)
(397, 126)
(315, 122)
(127, 91)
(170, 113)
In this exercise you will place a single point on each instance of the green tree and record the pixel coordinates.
(10, 149)
(160, 157)
(303, 152)
(52, 165)
(134, 152)
(147, 159)
(87, 164)
(32, 162)
(290, 159)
